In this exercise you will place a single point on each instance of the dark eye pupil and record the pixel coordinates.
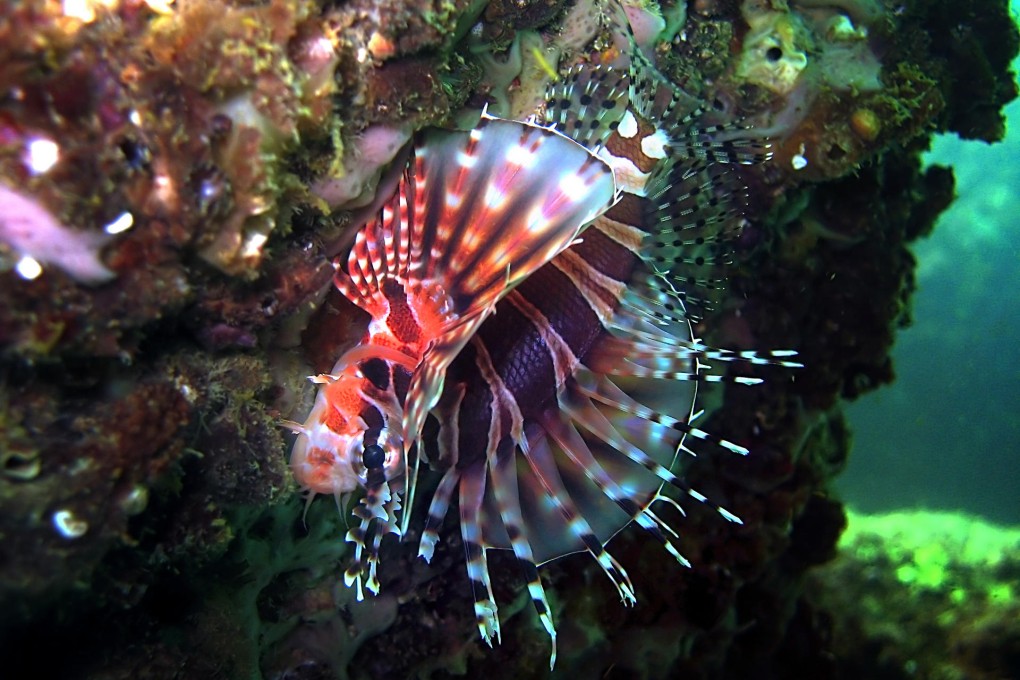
(373, 456)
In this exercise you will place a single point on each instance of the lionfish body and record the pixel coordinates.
(561, 415)
(429, 271)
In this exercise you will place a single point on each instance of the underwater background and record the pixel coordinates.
(946, 433)
(194, 165)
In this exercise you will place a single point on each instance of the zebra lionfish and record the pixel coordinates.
(561, 415)
(474, 214)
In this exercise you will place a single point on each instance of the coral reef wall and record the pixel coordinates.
(175, 178)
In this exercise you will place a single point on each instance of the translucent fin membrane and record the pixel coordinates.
(693, 213)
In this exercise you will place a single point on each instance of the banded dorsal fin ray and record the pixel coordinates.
(693, 214)
(651, 94)
(587, 103)
(684, 116)
(669, 299)
(730, 142)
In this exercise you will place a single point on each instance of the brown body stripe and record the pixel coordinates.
(605, 255)
(630, 147)
(628, 210)
(563, 358)
(558, 300)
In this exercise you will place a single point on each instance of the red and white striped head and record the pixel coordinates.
(350, 438)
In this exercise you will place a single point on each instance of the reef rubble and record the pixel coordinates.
(175, 178)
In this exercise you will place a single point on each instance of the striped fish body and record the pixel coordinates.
(564, 414)
(428, 271)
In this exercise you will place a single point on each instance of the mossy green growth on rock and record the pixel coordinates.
(924, 594)
(969, 47)
(930, 550)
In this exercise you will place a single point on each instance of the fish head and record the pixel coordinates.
(350, 442)
(351, 438)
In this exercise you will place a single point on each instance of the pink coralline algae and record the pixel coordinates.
(371, 151)
(31, 231)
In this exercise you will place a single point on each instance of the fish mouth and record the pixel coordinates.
(317, 466)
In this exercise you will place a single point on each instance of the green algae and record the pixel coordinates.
(924, 594)
(930, 550)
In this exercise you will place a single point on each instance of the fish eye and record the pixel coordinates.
(373, 456)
